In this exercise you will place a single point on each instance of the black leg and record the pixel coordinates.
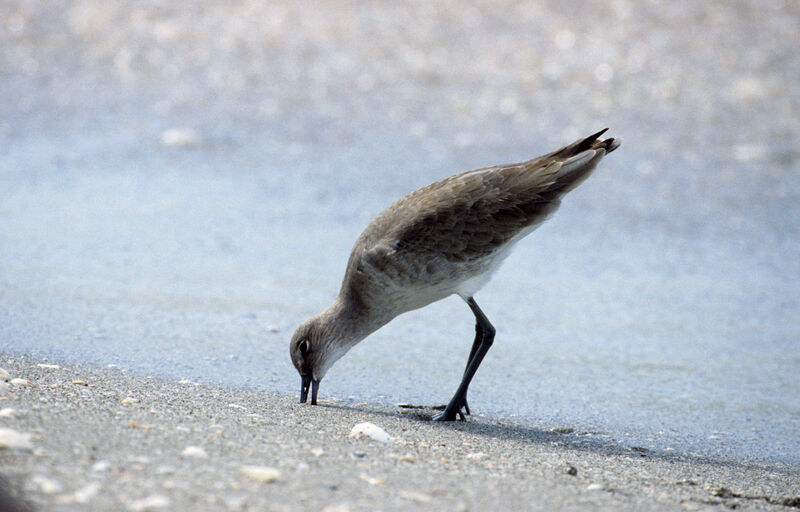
(475, 344)
(487, 331)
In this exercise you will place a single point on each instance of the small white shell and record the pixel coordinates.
(261, 474)
(15, 440)
(370, 431)
(46, 485)
(194, 451)
(87, 493)
(151, 502)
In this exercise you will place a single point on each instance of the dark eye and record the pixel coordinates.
(305, 347)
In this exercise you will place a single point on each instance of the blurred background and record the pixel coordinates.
(181, 183)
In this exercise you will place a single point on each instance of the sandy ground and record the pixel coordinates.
(111, 440)
(180, 186)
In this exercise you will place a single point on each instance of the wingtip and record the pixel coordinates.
(587, 142)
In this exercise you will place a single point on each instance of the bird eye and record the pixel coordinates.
(305, 347)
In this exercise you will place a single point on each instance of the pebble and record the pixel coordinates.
(370, 431)
(48, 366)
(45, 485)
(372, 480)
(135, 424)
(594, 487)
(100, 466)
(476, 456)
(337, 508)
(80, 382)
(151, 502)
(87, 493)
(7, 412)
(416, 496)
(262, 474)
(194, 451)
(14, 440)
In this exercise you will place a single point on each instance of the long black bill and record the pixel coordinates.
(305, 382)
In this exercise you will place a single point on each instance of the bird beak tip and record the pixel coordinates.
(306, 382)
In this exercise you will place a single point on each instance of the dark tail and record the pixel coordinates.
(591, 142)
(576, 166)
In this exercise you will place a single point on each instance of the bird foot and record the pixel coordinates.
(450, 413)
(448, 416)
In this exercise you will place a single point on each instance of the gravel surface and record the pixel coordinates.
(111, 440)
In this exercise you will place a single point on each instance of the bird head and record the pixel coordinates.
(308, 356)
(322, 340)
(314, 348)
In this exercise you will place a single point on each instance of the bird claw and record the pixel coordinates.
(450, 414)
(445, 416)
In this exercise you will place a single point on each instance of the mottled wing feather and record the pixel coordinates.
(470, 215)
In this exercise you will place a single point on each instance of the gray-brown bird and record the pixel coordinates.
(446, 238)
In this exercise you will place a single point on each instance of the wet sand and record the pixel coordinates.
(112, 440)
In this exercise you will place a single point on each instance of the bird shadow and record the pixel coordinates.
(569, 438)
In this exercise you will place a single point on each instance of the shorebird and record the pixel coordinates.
(443, 239)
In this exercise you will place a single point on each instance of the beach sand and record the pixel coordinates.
(112, 440)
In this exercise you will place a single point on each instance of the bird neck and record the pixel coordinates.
(347, 321)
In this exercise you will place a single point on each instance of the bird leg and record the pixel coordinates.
(484, 331)
(475, 344)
